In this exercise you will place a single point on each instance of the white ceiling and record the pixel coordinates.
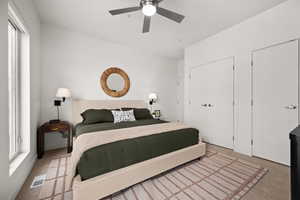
(166, 38)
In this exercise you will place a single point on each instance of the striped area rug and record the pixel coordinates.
(214, 177)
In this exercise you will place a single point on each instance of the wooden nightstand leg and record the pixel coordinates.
(40, 143)
(70, 139)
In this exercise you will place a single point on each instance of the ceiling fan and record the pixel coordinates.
(149, 8)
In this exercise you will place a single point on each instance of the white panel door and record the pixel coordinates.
(211, 101)
(275, 100)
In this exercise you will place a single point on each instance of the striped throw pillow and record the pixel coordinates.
(123, 116)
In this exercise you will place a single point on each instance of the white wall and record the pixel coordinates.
(276, 25)
(10, 185)
(76, 61)
(4, 167)
(180, 91)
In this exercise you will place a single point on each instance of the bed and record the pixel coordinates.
(109, 157)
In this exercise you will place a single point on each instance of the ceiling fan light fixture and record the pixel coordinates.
(149, 9)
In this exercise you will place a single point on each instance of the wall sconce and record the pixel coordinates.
(61, 94)
(152, 98)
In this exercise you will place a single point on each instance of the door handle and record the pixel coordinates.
(207, 105)
(291, 107)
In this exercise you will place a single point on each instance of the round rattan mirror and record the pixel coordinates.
(115, 82)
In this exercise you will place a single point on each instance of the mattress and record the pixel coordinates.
(112, 156)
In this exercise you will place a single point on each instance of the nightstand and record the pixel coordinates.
(60, 126)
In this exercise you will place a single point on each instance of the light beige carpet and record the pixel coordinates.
(215, 177)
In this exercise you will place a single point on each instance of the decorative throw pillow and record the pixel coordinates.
(93, 116)
(123, 116)
(140, 113)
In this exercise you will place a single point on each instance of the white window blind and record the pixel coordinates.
(13, 84)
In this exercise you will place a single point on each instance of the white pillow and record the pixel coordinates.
(123, 116)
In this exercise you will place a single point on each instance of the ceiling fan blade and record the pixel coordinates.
(124, 10)
(170, 14)
(146, 27)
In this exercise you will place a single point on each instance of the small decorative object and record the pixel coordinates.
(157, 114)
(61, 94)
(115, 82)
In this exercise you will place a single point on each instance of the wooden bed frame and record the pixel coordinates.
(112, 182)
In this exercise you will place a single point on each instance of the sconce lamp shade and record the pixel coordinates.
(63, 93)
(153, 96)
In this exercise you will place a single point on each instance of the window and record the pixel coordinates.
(13, 95)
(18, 87)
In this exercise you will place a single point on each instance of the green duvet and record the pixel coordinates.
(108, 157)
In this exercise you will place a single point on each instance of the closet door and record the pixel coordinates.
(211, 101)
(275, 100)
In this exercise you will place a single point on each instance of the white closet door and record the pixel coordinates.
(211, 101)
(275, 98)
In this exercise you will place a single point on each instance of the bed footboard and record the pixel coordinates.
(110, 183)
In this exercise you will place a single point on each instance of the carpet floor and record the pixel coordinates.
(216, 176)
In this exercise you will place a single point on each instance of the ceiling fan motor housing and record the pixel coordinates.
(148, 2)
